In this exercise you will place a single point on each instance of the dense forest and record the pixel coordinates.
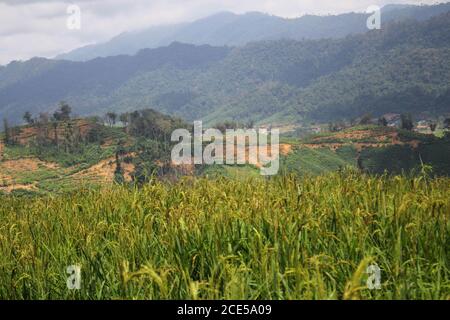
(402, 68)
(226, 28)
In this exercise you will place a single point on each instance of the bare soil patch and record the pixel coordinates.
(104, 171)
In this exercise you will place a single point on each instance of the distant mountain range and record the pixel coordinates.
(402, 68)
(236, 30)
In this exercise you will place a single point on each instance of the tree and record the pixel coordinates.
(407, 122)
(433, 126)
(66, 110)
(55, 130)
(7, 132)
(111, 117)
(28, 118)
(44, 118)
(11, 133)
(447, 123)
(118, 172)
(382, 122)
(63, 112)
(124, 118)
(43, 133)
(366, 119)
(332, 127)
(149, 152)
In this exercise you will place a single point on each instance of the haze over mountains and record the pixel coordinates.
(402, 68)
(230, 29)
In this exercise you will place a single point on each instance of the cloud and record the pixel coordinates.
(38, 28)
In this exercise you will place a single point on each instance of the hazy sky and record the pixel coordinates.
(39, 28)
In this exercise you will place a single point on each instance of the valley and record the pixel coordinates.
(278, 82)
(88, 153)
(95, 203)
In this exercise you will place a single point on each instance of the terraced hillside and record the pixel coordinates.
(110, 153)
(369, 148)
(27, 166)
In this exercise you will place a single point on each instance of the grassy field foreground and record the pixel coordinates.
(285, 238)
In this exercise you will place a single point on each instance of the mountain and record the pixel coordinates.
(402, 68)
(236, 30)
(36, 84)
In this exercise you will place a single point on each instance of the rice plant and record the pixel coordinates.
(282, 238)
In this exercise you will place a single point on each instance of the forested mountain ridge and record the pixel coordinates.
(402, 68)
(37, 85)
(231, 29)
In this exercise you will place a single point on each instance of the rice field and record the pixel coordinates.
(283, 238)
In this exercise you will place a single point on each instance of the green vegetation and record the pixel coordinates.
(223, 232)
(305, 161)
(103, 193)
(370, 148)
(226, 28)
(87, 155)
(398, 159)
(283, 238)
(402, 68)
(142, 145)
(52, 152)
